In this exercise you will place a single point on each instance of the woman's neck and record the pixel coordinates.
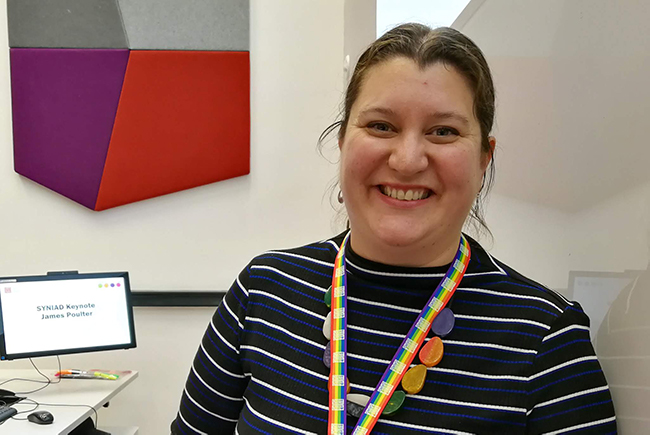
(425, 253)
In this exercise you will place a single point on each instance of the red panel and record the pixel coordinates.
(183, 121)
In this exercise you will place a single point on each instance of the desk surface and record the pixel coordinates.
(89, 392)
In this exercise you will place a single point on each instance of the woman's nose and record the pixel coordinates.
(408, 155)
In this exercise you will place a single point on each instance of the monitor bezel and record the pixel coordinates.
(4, 356)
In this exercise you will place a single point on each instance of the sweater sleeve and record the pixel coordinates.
(212, 398)
(567, 390)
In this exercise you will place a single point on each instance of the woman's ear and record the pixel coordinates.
(487, 157)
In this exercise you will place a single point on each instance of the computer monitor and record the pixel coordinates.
(65, 313)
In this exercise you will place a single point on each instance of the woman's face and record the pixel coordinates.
(411, 161)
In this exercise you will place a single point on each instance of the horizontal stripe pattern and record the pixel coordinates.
(518, 361)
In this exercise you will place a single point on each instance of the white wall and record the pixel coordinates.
(360, 21)
(198, 239)
(573, 186)
(522, 228)
(434, 13)
(613, 234)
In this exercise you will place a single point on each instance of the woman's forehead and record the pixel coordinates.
(400, 84)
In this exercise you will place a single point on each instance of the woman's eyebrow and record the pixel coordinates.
(451, 115)
(378, 109)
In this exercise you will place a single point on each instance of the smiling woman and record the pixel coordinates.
(411, 163)
(402, 323)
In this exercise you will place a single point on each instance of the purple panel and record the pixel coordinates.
(64, 106)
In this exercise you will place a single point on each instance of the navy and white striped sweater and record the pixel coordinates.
(519, 359)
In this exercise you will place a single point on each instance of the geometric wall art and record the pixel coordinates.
(117, 101)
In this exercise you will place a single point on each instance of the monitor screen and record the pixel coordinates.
(65, 313)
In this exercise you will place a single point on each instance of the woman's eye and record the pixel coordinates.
(380, 126)
(444, 131)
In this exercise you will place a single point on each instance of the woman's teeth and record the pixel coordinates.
(409, 195)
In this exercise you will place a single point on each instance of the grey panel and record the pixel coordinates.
(65, 24)
(218, 25)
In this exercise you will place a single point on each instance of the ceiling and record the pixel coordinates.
(573, 97)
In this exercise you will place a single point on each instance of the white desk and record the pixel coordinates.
(89, 392)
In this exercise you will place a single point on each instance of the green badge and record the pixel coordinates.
(328, 297)
(395, 403)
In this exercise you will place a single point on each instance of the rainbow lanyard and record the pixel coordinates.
(404, 355)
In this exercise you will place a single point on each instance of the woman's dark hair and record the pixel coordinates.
(425, 47)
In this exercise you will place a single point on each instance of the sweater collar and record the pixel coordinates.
(481, 263)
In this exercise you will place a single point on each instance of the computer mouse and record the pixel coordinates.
(41, 417)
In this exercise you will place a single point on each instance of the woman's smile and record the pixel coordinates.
(405, 194)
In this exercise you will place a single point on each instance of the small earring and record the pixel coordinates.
(340, 197)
